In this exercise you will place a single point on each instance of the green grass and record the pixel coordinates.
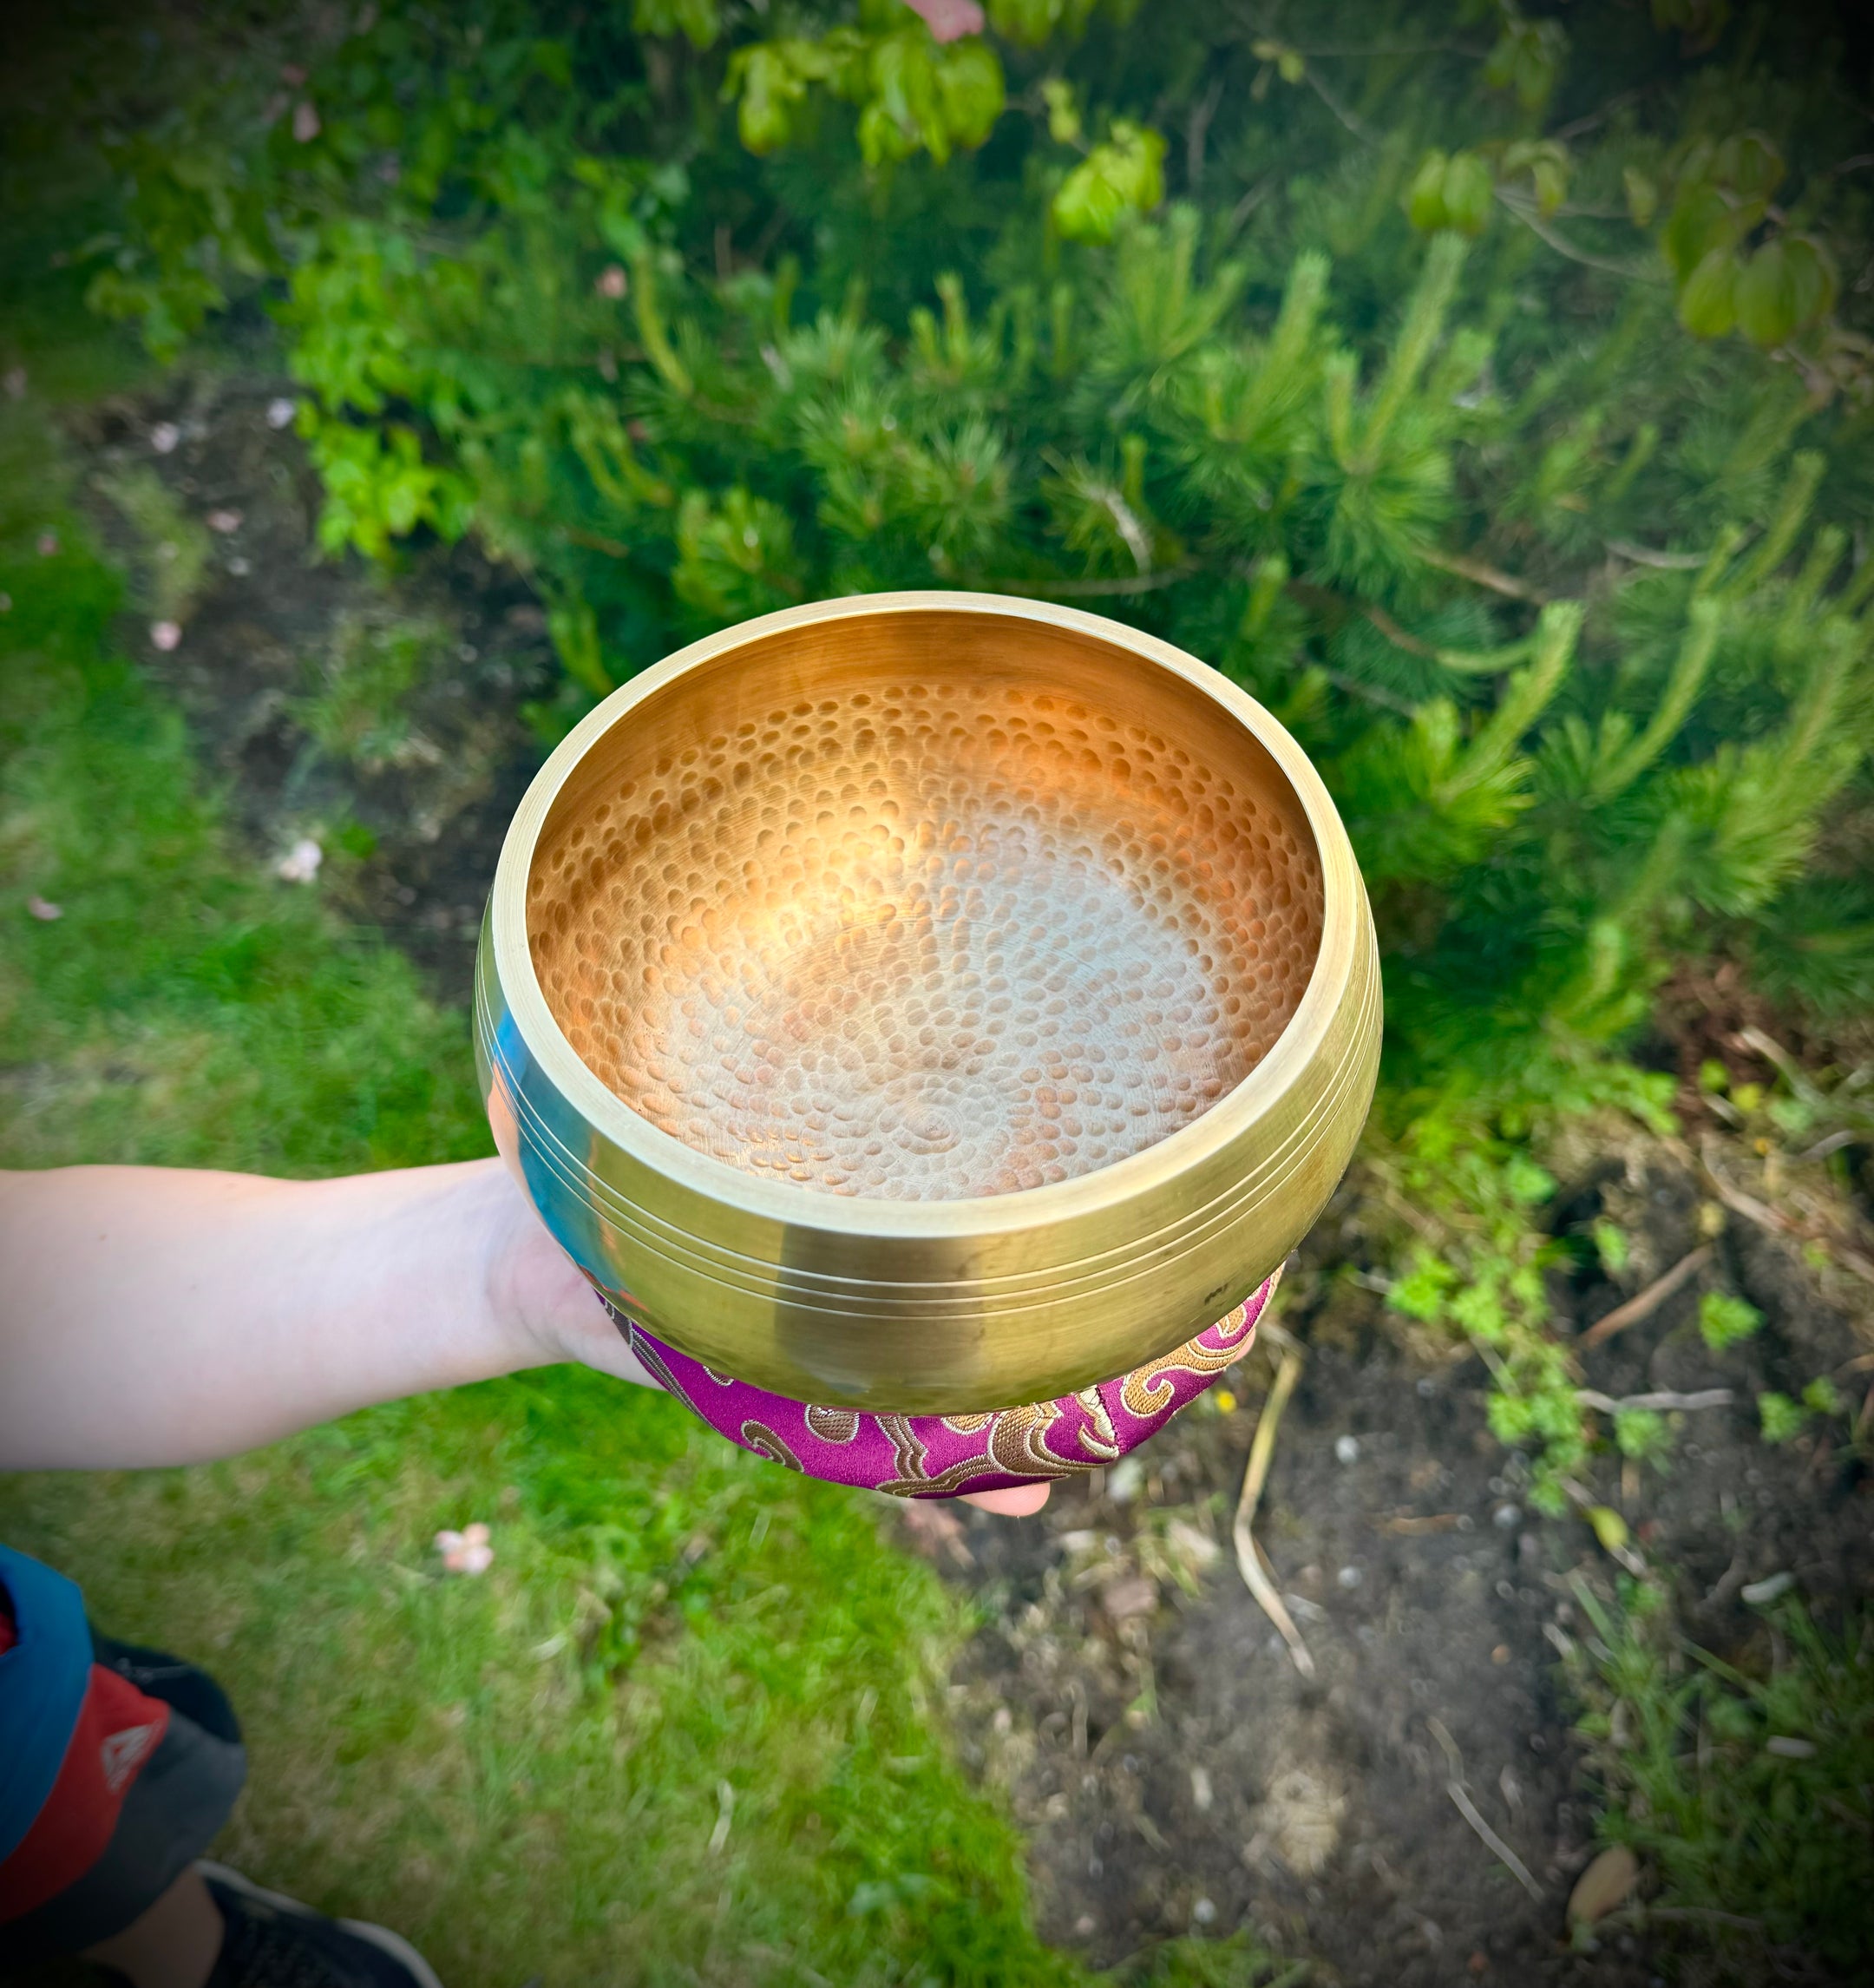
(524, 1772)
(1749, 1793)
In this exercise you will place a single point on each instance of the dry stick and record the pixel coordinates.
(1249, 1564)
(1460, 1794)
(1766, 1217)
(1647, 1301)
(1666, 1401)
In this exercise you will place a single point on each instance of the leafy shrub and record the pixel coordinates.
(1492, 412)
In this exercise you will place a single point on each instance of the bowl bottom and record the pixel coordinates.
(943, 1456)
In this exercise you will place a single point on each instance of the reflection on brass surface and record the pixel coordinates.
(923, 939)
(928, 1002)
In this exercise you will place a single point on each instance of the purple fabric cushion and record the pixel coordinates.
(943, 1456)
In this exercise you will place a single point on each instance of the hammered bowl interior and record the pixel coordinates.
(924, 907)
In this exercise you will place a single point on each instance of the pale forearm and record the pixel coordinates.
(155, 1317)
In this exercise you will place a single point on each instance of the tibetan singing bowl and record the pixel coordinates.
(922, 1003)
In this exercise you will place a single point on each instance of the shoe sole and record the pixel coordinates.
(381, 1937)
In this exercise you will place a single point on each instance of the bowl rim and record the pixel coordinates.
(1111, 1187)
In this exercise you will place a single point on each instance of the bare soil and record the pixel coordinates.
(271, 610)
(1175, 1771)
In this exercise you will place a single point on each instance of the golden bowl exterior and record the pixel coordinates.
(949, 1304)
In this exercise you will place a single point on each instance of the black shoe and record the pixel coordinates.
(275, 1942)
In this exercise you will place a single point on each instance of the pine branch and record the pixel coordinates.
(1525, 697)
(1424, 320)
(1626, 766)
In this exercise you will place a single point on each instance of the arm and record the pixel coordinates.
(150, 1315)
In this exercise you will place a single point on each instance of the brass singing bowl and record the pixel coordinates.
(928, 1002)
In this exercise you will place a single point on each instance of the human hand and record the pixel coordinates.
(553, 1314)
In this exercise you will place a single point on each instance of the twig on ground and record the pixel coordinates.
(1647, 1301)
(1255, 1472)
(1664, 1401)
(1765, 1217)
(1454, 1786)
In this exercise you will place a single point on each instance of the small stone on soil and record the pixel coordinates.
(1346, 1449)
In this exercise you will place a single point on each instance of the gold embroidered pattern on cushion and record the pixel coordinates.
(970, 1425)
(764, 1442)
(1148, 1390)
(833, 1424)
(659, 1367)
(1100, 1440)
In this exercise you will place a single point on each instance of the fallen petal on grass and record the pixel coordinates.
(280, 410)
(224, 521)
(610, 281)
(164, 437)
(45, 912)
(47, 545)
(301, 862)
(467, 1551)
(165, 635)
(15, 383)
(305, 123)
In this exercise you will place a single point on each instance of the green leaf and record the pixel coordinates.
(1526, 60)
(698, 20)
(1124, 175)
(1290, 64)
(1749, 164)
(1642, 196)
(1424, 198)
(1765, 296)
(1701, 221)
(1030, 23)
(1707, 303)
(971, 91)
(1813, 279)
(1469, 189)
(769, 79)
(1609, 1528)
(1063, 113)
